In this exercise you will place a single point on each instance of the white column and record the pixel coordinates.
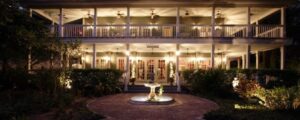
(243, 61)
(249, 34)
(178, 22)
(256, 29)
(283, 22)
(227, 63)
(94, 56)
(213, 22)
(177, 68)
(61, 59)
(248, 49)
(68, 60)
(127, 67)
(128, 22)
(95, 23)
(282, 56)
(257, 60)
(239, 63)
(212, 56)
(60, 23)
(29, 49)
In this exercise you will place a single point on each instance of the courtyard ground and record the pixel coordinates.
(117, 107)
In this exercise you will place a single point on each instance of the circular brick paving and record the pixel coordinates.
(118, 107)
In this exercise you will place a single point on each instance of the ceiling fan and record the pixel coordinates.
(219, 17)
(187, 13)
(119, 14)
(89, 18)
(153, 15)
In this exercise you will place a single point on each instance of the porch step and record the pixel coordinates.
(143, 89)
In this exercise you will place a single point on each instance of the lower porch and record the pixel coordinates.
(162, 63)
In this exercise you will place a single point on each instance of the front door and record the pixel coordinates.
(158, 67)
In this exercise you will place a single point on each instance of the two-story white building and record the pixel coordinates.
(166, 36)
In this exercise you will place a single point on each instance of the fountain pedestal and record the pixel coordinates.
(152, 95)
(151, 98)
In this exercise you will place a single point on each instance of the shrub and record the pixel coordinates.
(210, 82)
(95, 82)
(279, 98)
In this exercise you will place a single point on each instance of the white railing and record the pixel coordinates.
(152, 31)
(192, 31)
(169, 31)
(77, 31)
(267, 31)
(111, 31)
(239, 31)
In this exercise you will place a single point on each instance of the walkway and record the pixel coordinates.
(117, 107)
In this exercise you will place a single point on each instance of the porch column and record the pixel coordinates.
(212, 56)
(128, 22)
(95, 23)
(127, 53)
(68, 60)
(238, 63)
(227, 63)
(257, 60)
(60, 23)
(282, 30)
(256, 29)
(243, 61)
(29, 60)
(248, 56)
(213, 23)
(178, 22)
(282, 55)
(177, 68)
(94, 56)
(61, 59)
(249, 33)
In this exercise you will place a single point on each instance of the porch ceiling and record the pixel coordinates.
(229, 49)
(231, 15)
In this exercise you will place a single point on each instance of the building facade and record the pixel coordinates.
(164, 37)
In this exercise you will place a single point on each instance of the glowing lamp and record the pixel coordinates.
(127, 53)
(235, 82)
(177, 53)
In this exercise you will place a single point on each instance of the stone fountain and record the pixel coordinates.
(152, 97)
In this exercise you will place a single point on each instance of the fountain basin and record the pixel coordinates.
(144, 100)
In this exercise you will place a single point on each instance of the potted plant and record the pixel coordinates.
(132, 80)
(171, 81)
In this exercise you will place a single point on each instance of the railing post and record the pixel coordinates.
(128, 22)
(213, 22)
(95, 23)
(178, 22)
(60, 23)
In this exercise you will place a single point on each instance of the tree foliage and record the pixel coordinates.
(21, 35)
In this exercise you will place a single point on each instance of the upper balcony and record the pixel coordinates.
(169, 31)
(166, 22)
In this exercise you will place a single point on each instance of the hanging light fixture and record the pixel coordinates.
(187, 13)
(152, 15)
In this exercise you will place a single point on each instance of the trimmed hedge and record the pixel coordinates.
(95, 82)
(218, 82)
(211, 82)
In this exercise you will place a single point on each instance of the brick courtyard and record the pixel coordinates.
(117, 107)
